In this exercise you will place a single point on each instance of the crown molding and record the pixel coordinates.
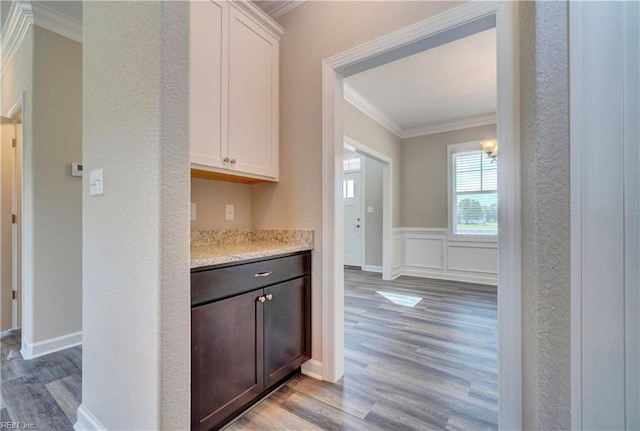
(52, 20)
(278, 8)
(259, 15)
(448, 126)
(369, 109)
(22, 15)
(18, 21)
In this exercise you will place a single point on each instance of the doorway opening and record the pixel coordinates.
(11, 219)
(452, 25)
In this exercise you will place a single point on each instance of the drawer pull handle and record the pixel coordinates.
(269, 297)
(261, 299)
(263, 274)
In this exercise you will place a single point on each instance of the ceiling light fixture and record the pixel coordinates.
(490, 147)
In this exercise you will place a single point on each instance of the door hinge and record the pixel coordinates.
(13, 142)
(13, 294)
(13, 219)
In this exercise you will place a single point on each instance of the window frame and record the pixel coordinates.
(451, 210)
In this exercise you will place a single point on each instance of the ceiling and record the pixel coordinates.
(443, 85)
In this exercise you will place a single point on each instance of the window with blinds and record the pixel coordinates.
(474, 179)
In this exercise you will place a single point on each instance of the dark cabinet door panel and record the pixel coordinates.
(287, 328)
(226, 362)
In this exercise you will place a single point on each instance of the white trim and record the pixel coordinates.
(41, 348)
(87, 421)
(363, 104)
(249, 8)
(57, 22)
(278, 8)
(312, 368)
(19, 20)
(509, 299)
(22, 15)
(387, 200)
(370, 110)
(372, 268)
(449, 126)
(449, 276)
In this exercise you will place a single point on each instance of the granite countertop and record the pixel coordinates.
(224, 246)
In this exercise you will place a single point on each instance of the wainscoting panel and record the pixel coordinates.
(428, 252)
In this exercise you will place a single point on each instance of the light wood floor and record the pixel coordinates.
(427, 367)
(43, 393)
(432, 366)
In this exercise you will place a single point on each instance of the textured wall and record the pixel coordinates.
(545, 215)
(424, 175)
(211, 197)
(358, 126)
(57, 196)
(17, 78)
(315, 31)
(136, 370)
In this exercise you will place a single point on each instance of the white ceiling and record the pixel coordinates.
(452, 82)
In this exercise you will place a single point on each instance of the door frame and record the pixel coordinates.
(378, 52)
(387, 200)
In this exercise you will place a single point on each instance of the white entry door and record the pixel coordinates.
(353, 226)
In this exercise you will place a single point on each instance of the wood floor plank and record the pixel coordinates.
(432, 366)
(67, 392)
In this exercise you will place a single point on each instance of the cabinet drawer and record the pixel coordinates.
(218, 283)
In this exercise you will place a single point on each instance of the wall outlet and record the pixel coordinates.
(193, 211)
(229, 212)
(96, 182)
(76, 169)
(369, 210)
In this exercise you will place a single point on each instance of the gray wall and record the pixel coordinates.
(424, 175)
(546, 310)
(136, 368)
(373, 222)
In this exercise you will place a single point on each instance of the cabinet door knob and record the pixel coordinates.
(261, 299)
(263, 274)
(226, 160)
(269, 297)
(233, 161)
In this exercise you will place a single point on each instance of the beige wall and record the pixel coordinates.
(136, 326)
(57, 196)
(424, 175)
(315, 31)
(211, 197)
(360, 127)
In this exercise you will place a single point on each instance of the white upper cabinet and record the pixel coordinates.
(234, 91)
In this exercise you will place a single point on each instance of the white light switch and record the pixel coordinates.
(369, 210)
(96, 182)
(193, 211)
(229, 212)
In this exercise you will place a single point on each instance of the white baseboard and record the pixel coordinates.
(312, 368)
(41, 348)
(396, 272)
(491, 280)
(372, 268)
(87, 421)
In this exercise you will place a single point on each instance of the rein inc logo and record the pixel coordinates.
(17, 426)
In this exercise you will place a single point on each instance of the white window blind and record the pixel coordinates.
(475, 193)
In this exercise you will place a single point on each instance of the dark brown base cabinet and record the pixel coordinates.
(250, 330)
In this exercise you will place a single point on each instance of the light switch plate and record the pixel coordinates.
(193, 211)
(369, 210)
(229, 212)
(96, 182)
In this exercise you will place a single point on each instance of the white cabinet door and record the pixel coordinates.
(253, 97)
(208, 77)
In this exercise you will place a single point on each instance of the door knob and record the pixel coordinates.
(226, 160)
(261, 299)
(269, 297)
(233, 161)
